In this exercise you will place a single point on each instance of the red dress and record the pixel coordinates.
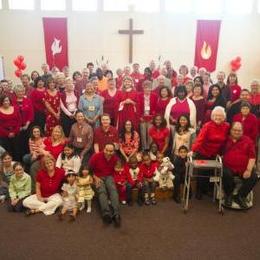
(128, 111)
(110, 104)
(54, 102)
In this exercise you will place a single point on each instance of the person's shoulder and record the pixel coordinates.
(59, 171)
(246, 139)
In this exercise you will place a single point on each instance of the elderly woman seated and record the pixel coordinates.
(239, 160)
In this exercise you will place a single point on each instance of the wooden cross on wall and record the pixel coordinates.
(131, 32)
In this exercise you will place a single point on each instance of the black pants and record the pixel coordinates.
(17, 208)
(12, 146)
(66, 123)
(229, 185)
(178, 180)
(39, 120)
(129, 188)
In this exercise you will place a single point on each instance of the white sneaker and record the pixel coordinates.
(88, 210)
(123, 202)
(82, 206)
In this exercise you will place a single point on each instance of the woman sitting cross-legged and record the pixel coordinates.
(48, 183)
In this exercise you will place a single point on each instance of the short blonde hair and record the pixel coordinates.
(19, 87)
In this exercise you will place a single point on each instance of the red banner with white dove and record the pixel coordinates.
(56, 41)
(206, 49)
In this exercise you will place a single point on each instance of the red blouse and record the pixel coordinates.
(50, 185)
(10, 123)
(26, 109)
(161, 106)
(37, 100)
(235, 92)
(55, 150)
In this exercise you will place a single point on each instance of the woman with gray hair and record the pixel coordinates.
(210, 142)
(25, 109)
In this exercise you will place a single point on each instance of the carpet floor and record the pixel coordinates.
(148, 232)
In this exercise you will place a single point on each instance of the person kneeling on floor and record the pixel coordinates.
(238, 160)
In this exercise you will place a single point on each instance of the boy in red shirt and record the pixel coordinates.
(134, 180)
(120, 179)
(148, 169)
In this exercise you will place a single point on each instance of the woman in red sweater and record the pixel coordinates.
(210, 142)
(248, 120)
(37, 98)
(25, 107)
(10, 127)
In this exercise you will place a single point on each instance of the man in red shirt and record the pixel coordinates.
(238, 160)
(105, 134)
(102, 165)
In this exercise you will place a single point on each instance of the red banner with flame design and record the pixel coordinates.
(56, 41)
(206, 49)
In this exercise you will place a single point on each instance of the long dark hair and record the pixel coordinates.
(178, 125)
(69, 146)
(123, 131)
(35, 127)
(220, 100)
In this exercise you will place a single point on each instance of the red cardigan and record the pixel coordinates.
(10, 123)
(250, 125)
(153, 102)
(211, 139)
(37, 100)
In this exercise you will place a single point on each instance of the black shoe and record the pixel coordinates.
(177, 199)
(228, 201)
(117, 220)
(130, 203)
(241, 201)
(140, 203)
(107, 219)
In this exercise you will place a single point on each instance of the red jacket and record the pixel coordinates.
(10, 123)
(211, 139)
(153, 102)
(250, 125)
(148, 171)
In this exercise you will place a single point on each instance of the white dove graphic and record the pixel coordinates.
(55, 47)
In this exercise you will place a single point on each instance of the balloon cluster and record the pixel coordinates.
(235, 64)
(20, 65)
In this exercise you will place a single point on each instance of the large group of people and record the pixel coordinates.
(67, 137)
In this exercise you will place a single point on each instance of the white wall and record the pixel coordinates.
(91, 35)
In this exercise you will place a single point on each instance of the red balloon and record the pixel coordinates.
(20, 58)
(22, 66)
(16, 63)
(18, 73)
(238, 58)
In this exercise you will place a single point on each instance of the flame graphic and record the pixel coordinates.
(205, 51)
(55, 47)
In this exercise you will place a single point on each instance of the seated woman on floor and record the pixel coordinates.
(48, 183)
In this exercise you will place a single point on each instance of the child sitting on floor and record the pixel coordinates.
(69, 193)
(7, 170)
(148, 169)
(85, 191)
(68, 160)
(3, 190)
(120, 181)
(179, 171)
(134, 180)
(163, 174)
